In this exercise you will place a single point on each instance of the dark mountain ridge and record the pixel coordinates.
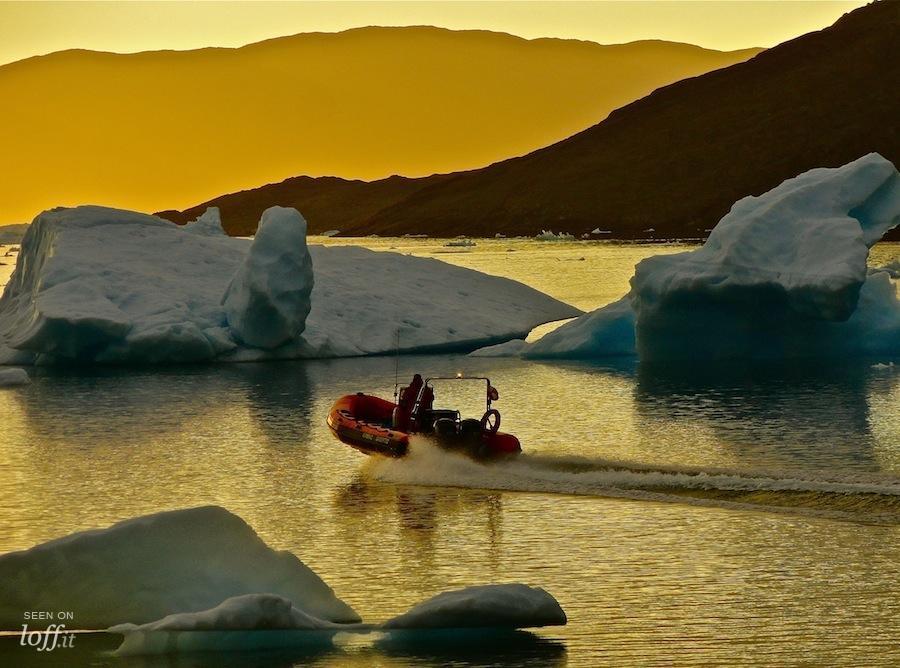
(673, 161)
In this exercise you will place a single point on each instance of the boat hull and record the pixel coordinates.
(363, 421)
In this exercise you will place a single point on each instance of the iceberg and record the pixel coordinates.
(782, 275)
(209, 223)
(267, 621)
(149, 567)
(100, 285)
(238, 613)
(487, 606)
(549, 235)
(13, 377)
(512, 348)
(268, 300)
(606, 332)
(201, 579)
(252, 621)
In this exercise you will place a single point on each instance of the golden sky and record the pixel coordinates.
(170, 130)
(32, 28)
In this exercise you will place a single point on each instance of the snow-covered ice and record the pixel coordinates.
(13, 377)
(146, 568)
(268, 300)
(508, 349)
(606, 332)
(209, 223)
(238, 613)
(239, 622)
(782, 275)
(202, 579)
(487, 606)
(94, 284)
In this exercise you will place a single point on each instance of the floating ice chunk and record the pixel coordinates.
(487, 606)
(208, 224)
(776, 273)
(238, 613)
(548, 235)
(509, 349)
(606, 332)
(252, 621)
(149, 567)
(782, 275)
(268, 299)
(97, 284)
(13, 377)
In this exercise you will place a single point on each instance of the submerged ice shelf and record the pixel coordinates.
(782, 275)
(99, 285)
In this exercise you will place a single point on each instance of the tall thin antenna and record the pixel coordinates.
(397, 368)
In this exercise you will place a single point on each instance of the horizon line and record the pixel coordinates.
(420, 26)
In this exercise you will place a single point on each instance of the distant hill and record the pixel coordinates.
(674, 161)
(166, 128)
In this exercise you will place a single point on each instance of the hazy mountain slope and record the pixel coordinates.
(168, 128)
(677, 159)
(674, 161)
(326, 202)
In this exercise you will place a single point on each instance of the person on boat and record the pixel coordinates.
(402, 417)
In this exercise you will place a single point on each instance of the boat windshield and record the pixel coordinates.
(469, 395)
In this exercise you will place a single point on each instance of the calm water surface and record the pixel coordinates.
(735, 515)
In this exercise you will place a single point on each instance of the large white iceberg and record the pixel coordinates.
(487, 606)
(782, 275)
(94, 284)
(268, 299)
(149, 567)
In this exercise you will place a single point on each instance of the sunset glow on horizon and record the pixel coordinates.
(34, 28)
(178, 125)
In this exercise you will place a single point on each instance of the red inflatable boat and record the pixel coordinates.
(376, 426)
